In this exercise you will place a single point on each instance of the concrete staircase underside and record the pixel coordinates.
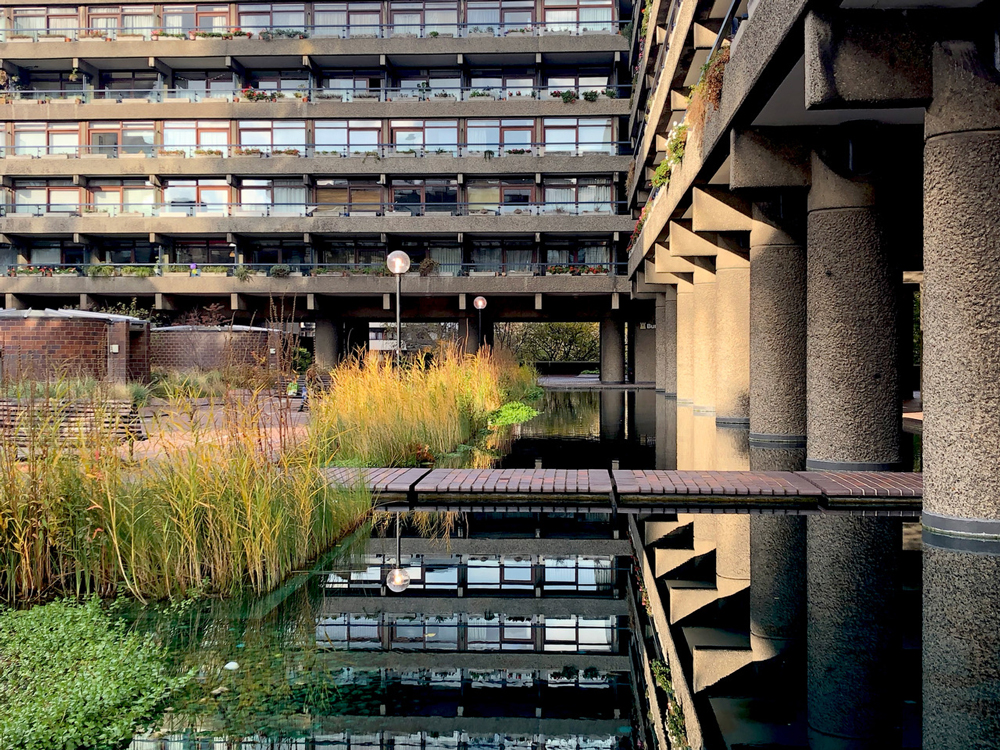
(668, 560)
(716, 654)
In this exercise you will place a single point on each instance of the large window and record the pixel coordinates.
(188, 136)
(348, 197)
(273, 197)
(123, 196)
(588, 252)
(124, 19)
(509, 196)
(38, 138)
(430, 136)
(578, 135)
(129, 251)
(356, 85)
(287, 82)
(355, 19)
(577, 195)
(348, 137)
(257, 17)
(56, 20)
(180, 19)
(513, 255)
(199, 85)
(432, 17)
(214, 252)
(349, 251)
(418, 197)
(580, 82)
(503, 137)
(578, 16)
(500, 17)
(124, 84)
(46, 196)
(269, 251)
(271, 135)
(196, 197)
(129, 137)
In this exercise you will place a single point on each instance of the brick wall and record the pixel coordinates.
(41, 348)
(138, 355)
(210, 349)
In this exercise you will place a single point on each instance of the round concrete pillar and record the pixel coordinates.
(777, 584)
(685, 436)
(666, 432)
(612, 351)
(685, 343)
(326, 344)
(703, 365)
(852, 375)
(778, 322)
(732, 354)
(852, 579)
(961, 324)
(666, 341)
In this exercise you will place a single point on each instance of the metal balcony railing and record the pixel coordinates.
(321, 31)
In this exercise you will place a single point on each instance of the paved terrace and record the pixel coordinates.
(639, 492)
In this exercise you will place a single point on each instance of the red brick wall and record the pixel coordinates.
(40, 348)
(138, 355)
(209, 349)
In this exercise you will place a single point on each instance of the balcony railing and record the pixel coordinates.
(320, 31)
(387, 209)
(415, 93)
(358, 151)
(314, 269)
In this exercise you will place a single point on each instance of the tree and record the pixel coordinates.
(550, 342)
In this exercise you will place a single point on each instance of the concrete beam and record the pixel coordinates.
(718, 210)
(237, 302)
(163, 302)
(159, 66)
(664, 262)
(86, 302)
(654, 276)
(237, 67)
(538, 301)
(867, 58)
(86, 68)
(13, 302)
(685, 243)
(763, 158)
(678, 102)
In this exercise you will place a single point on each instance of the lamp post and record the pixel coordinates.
(398, 580)
(480, 304)
(398, 263)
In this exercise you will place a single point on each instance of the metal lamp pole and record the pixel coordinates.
(398, 263)
(480, 304)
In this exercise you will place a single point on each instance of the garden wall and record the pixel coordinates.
(214, 347)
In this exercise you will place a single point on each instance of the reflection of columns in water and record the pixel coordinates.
(703, 454)
(666, 432)
(961, 307)
(641, 415)
(613, 414)
(685, 343)
(703, 369)
(852, 423)
(732, 530)
(685, 436)
(666, 341)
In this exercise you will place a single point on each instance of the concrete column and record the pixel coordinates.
(666, 432)
(326, 344)
(612, 414)
(853, 422)
(703, 369)
(468, 334)
(646, 355)
(778, 322)
(961, 323)
(685, 343)
(612, 351)
(666, 342)
(732, 531)
(732, 353)
(631, 359)
(852, 376)
(777, 584)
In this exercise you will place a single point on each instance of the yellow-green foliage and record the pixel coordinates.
(378, 415)
(226, 507)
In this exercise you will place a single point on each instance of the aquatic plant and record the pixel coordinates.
(510, 413)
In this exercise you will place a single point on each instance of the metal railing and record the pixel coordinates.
(321, 31)
(416, 92)
(309, 150)
(387, 209)
(312, 269)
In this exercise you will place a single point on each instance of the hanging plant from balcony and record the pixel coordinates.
(707, 93)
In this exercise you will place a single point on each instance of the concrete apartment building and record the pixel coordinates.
(283, 149)
(831, 159)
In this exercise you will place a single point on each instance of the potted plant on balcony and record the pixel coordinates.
(246, 151)
(556, 270)
(518, 151)
(238, 33)
(253, 95)
(444, 96)
(611, 93)
(29, 271)
(214, 270)
(325, 271)
(429, 267)
(591, 96)
(286, 152)
(208, 152)
(92, 35)
(176, 269)
(99, 270)
(141, 272)
(281, 271)
(66, 271)
(565, 676)
(523, 31)
(171, 153)
(476, 31)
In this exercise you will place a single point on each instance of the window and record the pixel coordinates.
(349, 87)
(358, 20)
(269, 135)
(196, 197)
(273, 197)
(418, 197)
(189, 135)
(513, 255)
(437, 17)
(53, 21)
(46, 196)
(271, 251)
(579, 16)
(348, 197)
(212, 252)
(578, 135)
(363, 251)
(517, 634)
(510, 196)
(500, 16)
(126, 137)
(56, 85)
(354, 137)
(511, 137)
(503, 84)
(123, 84)
(430, 136)
(210, 83)
(289, 82)
(54, 252)
(577, 195)
(123, 196)
(180, 19)
(257, 17)
(38, 138)
(129, 251)
(124, 19)
(573, 81)
(352, 632)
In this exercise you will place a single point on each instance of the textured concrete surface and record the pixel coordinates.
(644, 341)
(777, 459)
(961, 671)
(703, 368)
(685, 436)
(732, 553)
(326, 345)
(732, 449)
(666, 432)
(778, 319)
(852, 376)
(769, 158)
(666, 341)
(732, 353)
(612, 414)
(612, 350)
(704, 431)
(852, 630)
(685, 343)
(777, 584)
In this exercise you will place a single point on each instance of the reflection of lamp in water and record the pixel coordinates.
(398, 579)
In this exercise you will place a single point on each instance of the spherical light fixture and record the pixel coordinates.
(398, 580)
(398, 262)
(479, 302)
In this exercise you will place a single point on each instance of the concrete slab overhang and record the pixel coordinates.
(716, 209)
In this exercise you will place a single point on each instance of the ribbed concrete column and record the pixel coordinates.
(778, 322)
(612, 351)
(961, 322)
(666, 341)
(732, 354)
(685, 343)
(703, 368)
(853, 422)
(326, 346)
(666, 432)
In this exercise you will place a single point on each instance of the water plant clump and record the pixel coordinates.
(510, 413)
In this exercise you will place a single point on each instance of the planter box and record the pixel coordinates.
(93, 39)
(247, 214)
(54, 156)
(53, 38)
(338, 274)
(125, 155)
(20, 156)
(520, 273)
(20, 39)
(131, 38)
(176, 273)
(173, 215)
(447, 98)
(482, 273)
(481, 35)
(104, 101)
(395, 154)
(71, 100)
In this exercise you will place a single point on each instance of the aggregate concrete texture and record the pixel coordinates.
(666, 341)
(777, 584)
(685, 343)
(612, 333)
(703, 361)
(732, 354)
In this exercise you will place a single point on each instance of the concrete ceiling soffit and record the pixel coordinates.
(716, 209)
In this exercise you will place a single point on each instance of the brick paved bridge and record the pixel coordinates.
(639, 492)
